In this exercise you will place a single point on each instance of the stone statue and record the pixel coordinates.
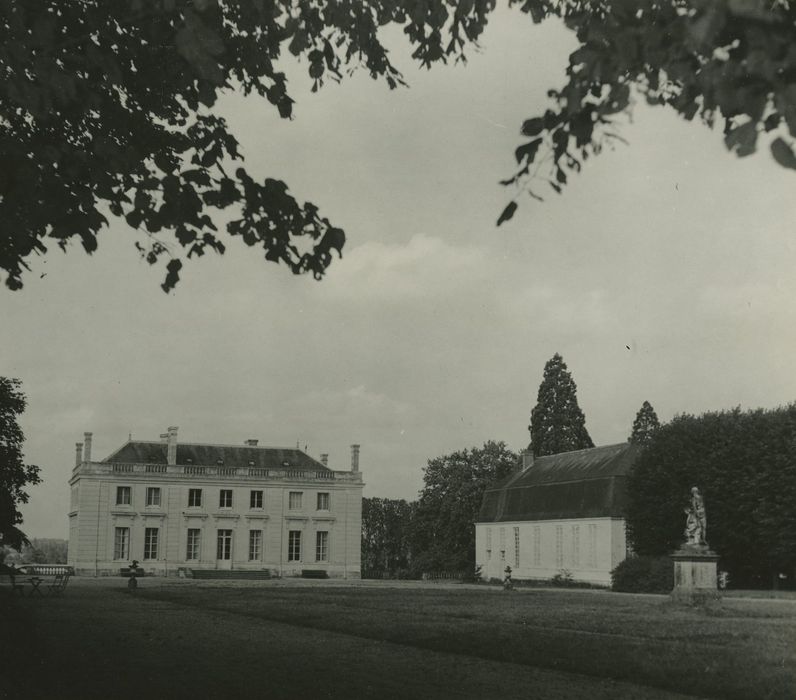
(696, 524)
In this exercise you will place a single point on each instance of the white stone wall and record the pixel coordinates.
(538, 550)
(96, 515)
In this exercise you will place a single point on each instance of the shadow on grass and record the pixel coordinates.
(721, 652)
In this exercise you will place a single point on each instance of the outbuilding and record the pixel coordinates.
(559, 515)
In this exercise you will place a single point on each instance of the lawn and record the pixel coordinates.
(177, 639)
(743, 648)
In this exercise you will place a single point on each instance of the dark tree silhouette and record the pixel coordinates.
(386, 528)
(15, 475)
(453, 486)
(644, 425)
(557, 423)
(744, 463)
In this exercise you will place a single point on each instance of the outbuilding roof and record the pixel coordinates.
(145, 452)
(587, 483)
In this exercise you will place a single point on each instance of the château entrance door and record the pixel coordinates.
(224, 550)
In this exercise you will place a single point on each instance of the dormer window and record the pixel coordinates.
(220, 462)
(189, 461)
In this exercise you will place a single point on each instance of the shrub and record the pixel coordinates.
(643, 575)
(562, 578)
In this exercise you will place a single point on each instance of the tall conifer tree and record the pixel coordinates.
(557, 423)
(645, 425)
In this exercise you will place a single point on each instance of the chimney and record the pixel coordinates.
(252, 443)
(87, 447)
(355, 458)
(171, 451)
(527, 458)
(78, 453)
(325, 459)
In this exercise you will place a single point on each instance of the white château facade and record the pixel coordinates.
(191, 506)
(558, 515)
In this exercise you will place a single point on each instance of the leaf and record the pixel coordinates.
(198, 44)
(783, 153)
(742, 139)
(508, 212)
(527, 152)
(532, 127)
(172, 275)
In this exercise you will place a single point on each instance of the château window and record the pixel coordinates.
(225, 498)
(224, 545)
(323, 501)
(194, 498)
(151, 543)
(322, 546)
(194, 540)
(124, 495)
(153, 496)
(121, 543)
(255, 545)
(294, 545)
(294, 500)
(256, 500)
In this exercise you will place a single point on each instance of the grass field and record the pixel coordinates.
(321, 639)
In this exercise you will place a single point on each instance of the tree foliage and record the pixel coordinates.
(15, 475)
(453, 487)
(111, 106)
(644, 425)
(745, 465)
(725, 62)
(39, 551)
(386, 529)
(557, 422)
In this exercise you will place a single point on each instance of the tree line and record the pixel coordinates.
(744, 462)
(436, 533)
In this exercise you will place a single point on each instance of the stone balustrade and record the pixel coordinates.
(192, 471)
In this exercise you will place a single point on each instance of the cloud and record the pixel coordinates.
(426, 266)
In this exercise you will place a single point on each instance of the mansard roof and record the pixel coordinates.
(144, 452)
(587, 483)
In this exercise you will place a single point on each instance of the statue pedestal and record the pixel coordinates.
(695, 579)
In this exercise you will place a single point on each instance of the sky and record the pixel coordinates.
(663, 273)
